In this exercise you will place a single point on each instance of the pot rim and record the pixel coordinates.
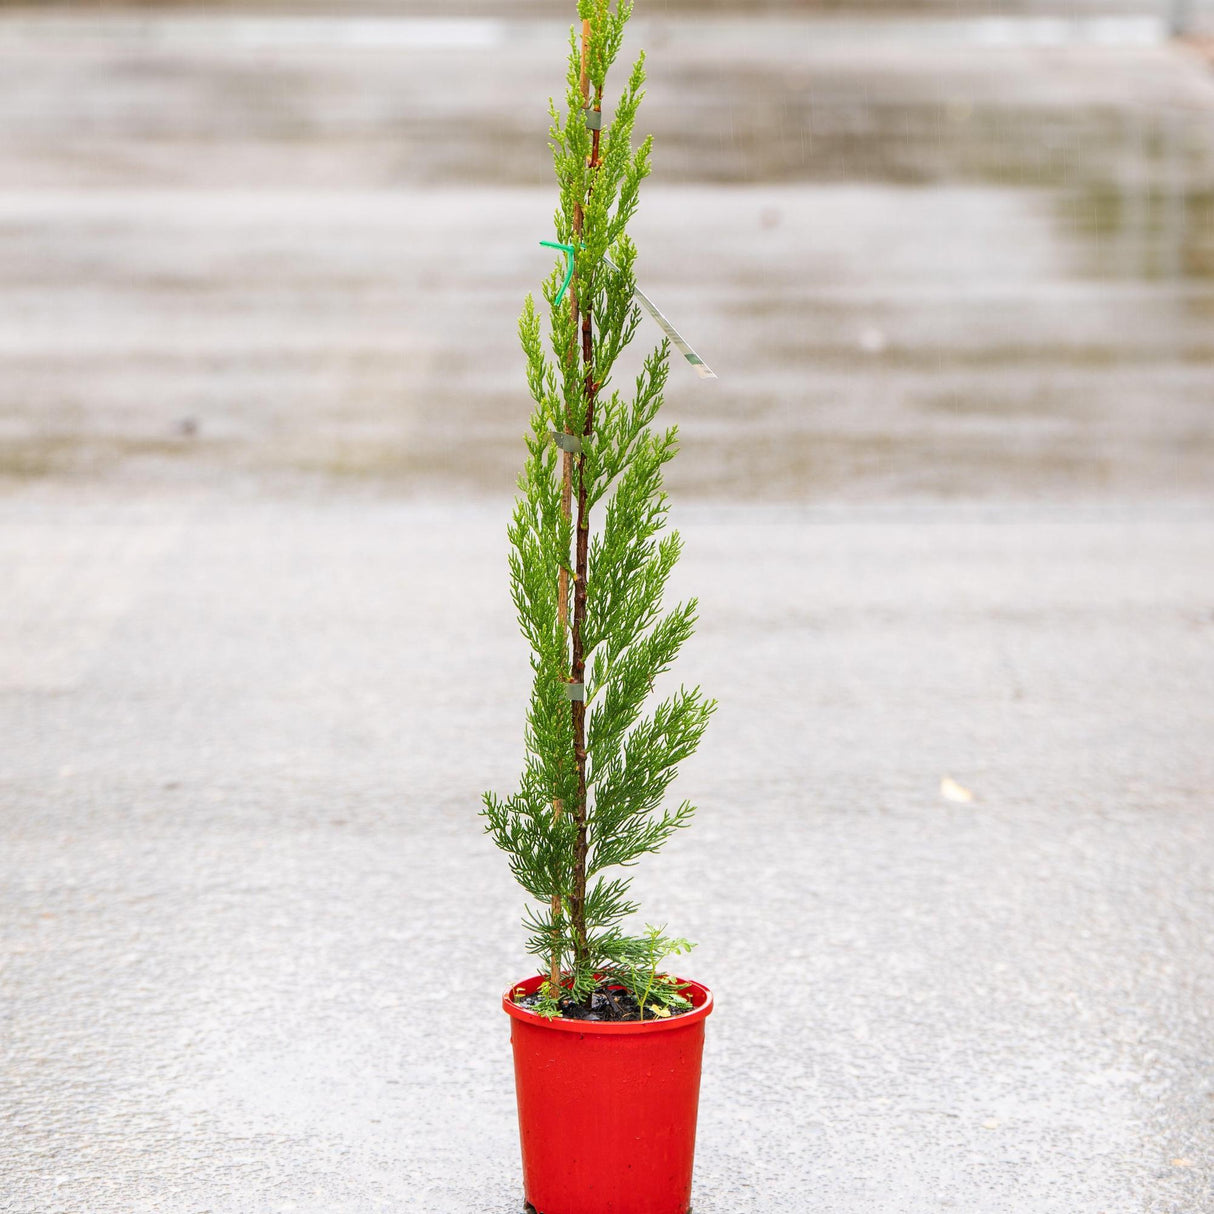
(701, 996)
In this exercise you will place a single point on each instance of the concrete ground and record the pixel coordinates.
(948, 512)
(254, 939)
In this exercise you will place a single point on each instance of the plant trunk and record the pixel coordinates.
(562, 598)
(581, 567)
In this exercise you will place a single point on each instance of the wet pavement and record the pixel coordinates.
(948, 512)
(927, 258)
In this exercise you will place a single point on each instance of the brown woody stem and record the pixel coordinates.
(581, 565)
(562, 600)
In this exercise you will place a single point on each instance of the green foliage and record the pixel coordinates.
(636, 969)
(548, 1005)
(595, 777)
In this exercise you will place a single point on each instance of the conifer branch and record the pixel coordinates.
(598, 767)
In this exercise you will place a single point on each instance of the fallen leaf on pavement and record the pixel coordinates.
(950, 790)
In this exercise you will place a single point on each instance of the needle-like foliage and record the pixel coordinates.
(601, 750)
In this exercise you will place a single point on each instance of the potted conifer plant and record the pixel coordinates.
(607, 1043)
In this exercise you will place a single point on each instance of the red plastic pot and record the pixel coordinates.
(607, 1112)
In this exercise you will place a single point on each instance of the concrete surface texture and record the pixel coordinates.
(948, 512)
(254, 940)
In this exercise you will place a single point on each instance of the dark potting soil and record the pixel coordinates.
(605, 1003)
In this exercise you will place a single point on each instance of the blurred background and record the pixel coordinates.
(955, 249)
(948, 510)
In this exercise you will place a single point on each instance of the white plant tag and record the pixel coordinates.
(698, 365)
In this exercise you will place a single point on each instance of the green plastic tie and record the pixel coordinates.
(567, 249)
